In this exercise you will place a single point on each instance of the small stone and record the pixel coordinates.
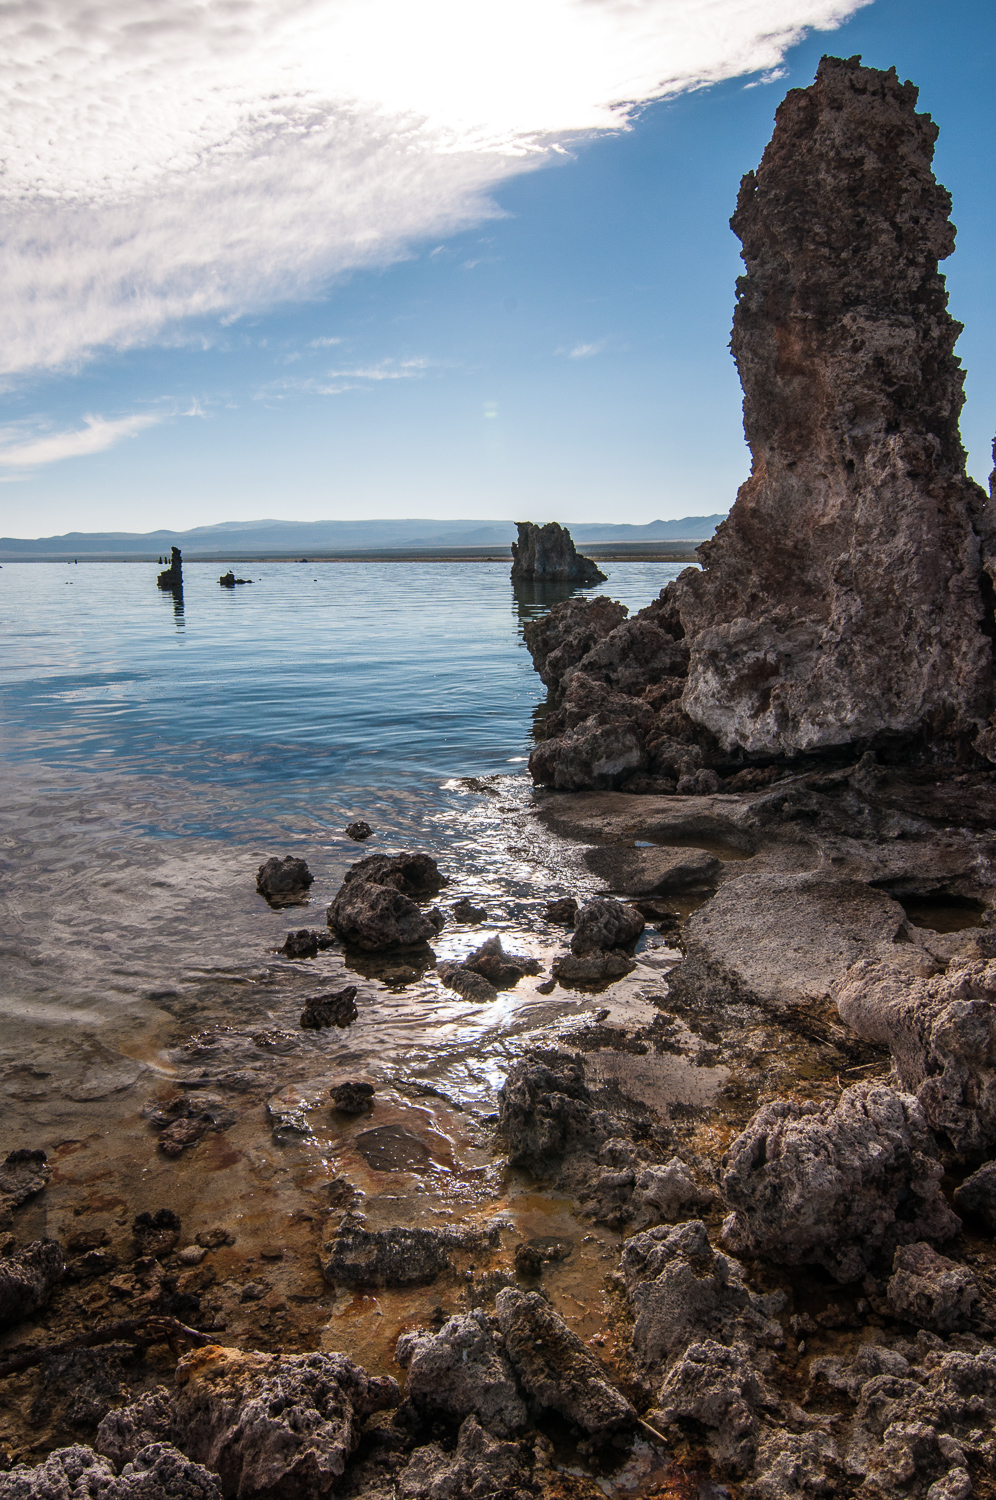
(215, 1239)
(562, 911)
(358, 830)
(353, 1096)
(307, 942)
(470, 985)
(156, 1233)
(271, 1252)
(337, 1008)
(191, 1255)
(498, 967)
(253, 1291)
(464, 910)
(284, 882)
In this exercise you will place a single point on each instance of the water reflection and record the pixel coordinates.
(534, 599)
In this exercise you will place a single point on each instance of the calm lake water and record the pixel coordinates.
(152, 757)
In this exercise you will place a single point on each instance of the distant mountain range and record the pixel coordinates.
(275, 538)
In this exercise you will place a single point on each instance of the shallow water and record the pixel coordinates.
(153, 756)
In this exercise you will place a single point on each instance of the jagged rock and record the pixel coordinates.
(125, 1431)
(794, 1465)
(156, 1233)
(480, 1468)
(338, 1008)
(594, 971)
(460, 1372)
(604, 924)
(26, 1279)
(305, 943)
(941, 1030)
(274, 1425)
(780, 941)
(359, 830)
(171, 578)
(23, 1173)
(927, 1289)
(415, 875)
(558, 641)
(652, 872)
(545, 1110)
(158, 1472)
(683, 1291)
(352, 1097)
(635, 656)
(554, 1367)
(185, 1119)
(499, 968)
(464, 910)
(720, 1388)
(397, 1257)
(858, 495)
(228, 580)
(976, 1198)
(547, 554)
(563, 911)
(466, 982)
(664, 1194)
(835, 1186)
(542, 1250)
(374, 918)
(592, 755)
(284, 882)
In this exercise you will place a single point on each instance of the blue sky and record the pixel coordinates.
(517, 315)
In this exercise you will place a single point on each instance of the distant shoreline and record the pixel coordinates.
(604, 552)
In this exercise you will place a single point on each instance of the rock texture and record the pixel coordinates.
(554, 1367)
(171, 578)
(547, 554)
(27, 1279)
(812, 1184)
(375, 918)
(460, 1372)
(158, 1472)
(284, 882)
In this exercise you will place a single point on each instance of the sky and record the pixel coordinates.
(317, 259)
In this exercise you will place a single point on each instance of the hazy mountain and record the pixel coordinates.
(301, 537)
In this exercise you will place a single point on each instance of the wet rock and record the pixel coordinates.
(229, 581)
(464, 910)
(186, 1119)
(835, 1186)
(284, 882)
(415, 875)
(480, 1468)
(941, 1030)
(547, 553)
(593, 972)
(156, 1234)
(499, 968)
(559, 640)
(375, 918)
(665, 1193)
(554, 1367)
(976, 1198)
(591, 755)
(652, 872)
(533, 1254)
(545, 1110)
(288, 1116)
(171, 578)
(437, 917)
(795, 639)
(466, 982)
(272, 1425)
(931, 1291)
(23, 1173)
(396, 1257)
(191, 1255)
(215, 1238)
(720, 1388)
(605, 924)
(158, 1472)
(391, 1148)
(460, 1372)
(781, 941)
(353, 1096)
(358, 830)
(337, 1008)
(683, 1291)
(307, 942)
(26, 1279)
(562, 911)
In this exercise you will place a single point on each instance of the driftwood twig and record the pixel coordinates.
(152, 1328)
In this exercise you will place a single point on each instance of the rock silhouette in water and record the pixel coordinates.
(842, 600)
(547, 553)
(171, 578)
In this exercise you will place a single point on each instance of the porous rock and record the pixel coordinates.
(559, 640)
(858, 496)
(929, 1290)
(158, 1472)
(27, 1278)
(719, 1387)
(415, 875)
(652, 872)
(156, 1233)
(359, 830)
(794, 1465)
(604, 924)
(466, 982)
(664, 1193)
(479, 1468)
(229, 581)
(554, 1367)
(593, 754)
(284, 882)
(976, 1198)
(563, 911)
(592, 971)
(684, 1291)
(396, 1256)
(547, 554)
(835, 1185)
(498, 967)
(941, 1030)
(171, 578)
(375, 918)
(274, 1425)
(460, 1372)
(353, 1096)
(545, 1110)
(338, 1008)
(126, 1430)
(464, 910)
(305, 943)
(23, 1173)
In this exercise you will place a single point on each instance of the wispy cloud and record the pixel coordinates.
(169, 159)
(583, 351)
(94, 437)
(338, 382)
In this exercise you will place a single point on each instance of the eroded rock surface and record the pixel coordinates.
(158, 1472)
(375, 918)
(397, 1256)
(460, 1372)
(547, 554)
(554, 1367)
(284, 882)
(27, 1279)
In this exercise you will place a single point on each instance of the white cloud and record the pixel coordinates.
(166, 159)
(583, 351)
(97, 435)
